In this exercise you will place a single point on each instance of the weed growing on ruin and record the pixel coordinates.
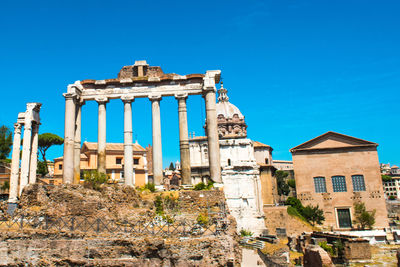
(328, 248)
(203, 219)
(158, 203)
(244, 232)
(203, 186)
(94, 179)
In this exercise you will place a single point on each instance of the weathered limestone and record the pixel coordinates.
(34, 154)
(128, 146)
(77, 143)
(101, 151)
(212, 136)
(69, 138)
(140, 81)
(13, 195)
(30, 120)
(184, 139)
(157, 147)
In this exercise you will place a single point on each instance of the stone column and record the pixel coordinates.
(184, 140)
(101, 140)
(157, 149)
(34, 153)
(69, 138)
(13, 195)
(128, 145)
(212, 136)
(77, 143)
(26, 154)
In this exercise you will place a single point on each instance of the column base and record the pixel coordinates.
(11, 207)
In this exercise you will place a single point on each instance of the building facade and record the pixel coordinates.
(335, 171)
(114, 163)
(240, 169)
(391, 187)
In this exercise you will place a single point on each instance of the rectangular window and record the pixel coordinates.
(339, 184)
(344, 218)
(320, 184)
(358, 183)
(118, 161)
(136, 161)
(60, 167)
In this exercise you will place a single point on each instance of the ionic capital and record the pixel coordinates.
(127, 98)
(155, 98)
(101, 100)
(17, 128)
(181, 96)
(69, 96)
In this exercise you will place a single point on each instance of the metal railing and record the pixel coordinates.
(157, 225)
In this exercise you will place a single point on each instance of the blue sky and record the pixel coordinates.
(296, 69)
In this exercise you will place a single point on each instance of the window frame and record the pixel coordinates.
(315, 184)
(362, 184)
(336, 186)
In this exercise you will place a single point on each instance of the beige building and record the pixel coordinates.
(114, 163)
(334, 171)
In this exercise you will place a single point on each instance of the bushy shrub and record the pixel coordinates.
(311, 214)
(291, 183)
(150, 186)
(328, 248)
(244, 232)
(200, 186)
(392, 198)
(158, 203)
(94, 179)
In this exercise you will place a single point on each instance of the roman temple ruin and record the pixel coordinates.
(140, 81)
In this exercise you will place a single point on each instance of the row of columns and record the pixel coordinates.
(72, 140)
(20, 177)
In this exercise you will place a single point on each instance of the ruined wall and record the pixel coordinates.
(73, 250)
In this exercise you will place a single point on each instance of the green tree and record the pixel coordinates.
(5, 185)
(363, 218)
(283, 187)
(313, 214)
(5, 142)
(295, 203)
(386, 178)
(47, 140)
(42, 168)
(171, 166)
(292, 183)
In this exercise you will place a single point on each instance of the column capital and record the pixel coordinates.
(127, 98)
(101, 99)
(17, 128)
(155, 98)
(181, 96)
(70, 95)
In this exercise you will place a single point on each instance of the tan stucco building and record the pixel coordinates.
(334, 171)
(114, 162)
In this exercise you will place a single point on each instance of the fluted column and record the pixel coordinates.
(69, 138)
(26, 154)
(101, 146)
(34, 153)
(13, 193)
(128, 145)
(212, 136)
(157, 148)
(77, 142)
(184, 139)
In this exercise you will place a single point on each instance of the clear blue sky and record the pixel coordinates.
(296, 69)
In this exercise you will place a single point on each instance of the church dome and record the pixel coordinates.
(230, 119)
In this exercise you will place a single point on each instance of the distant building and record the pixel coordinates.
(334, 171)
(391, 187)
(283, 165)
(114, 163)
